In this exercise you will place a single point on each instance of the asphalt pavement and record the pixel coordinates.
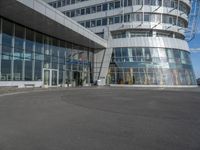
(100, 119)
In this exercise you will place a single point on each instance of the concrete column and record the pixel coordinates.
(12, 61)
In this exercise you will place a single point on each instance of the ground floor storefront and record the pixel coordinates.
(28, 57)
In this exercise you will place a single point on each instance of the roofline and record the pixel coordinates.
(40, 16)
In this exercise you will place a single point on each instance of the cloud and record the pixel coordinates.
(195, 49)
(198, 30)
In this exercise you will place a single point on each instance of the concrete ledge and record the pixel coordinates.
(20, 84)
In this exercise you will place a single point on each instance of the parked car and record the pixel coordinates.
(198, 81)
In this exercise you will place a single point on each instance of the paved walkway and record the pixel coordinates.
(100, 119)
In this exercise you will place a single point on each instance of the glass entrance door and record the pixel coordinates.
(54, 78)
(46, 77)
(77, 78)
(50, 77)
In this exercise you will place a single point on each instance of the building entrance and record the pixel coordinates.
(50, 77)
(77, 78)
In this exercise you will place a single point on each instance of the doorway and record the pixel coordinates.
(77, 78)
(50, 77)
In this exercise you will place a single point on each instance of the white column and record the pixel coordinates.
(12, 61)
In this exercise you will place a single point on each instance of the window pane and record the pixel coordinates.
(6, 50)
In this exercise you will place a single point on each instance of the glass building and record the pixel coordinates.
(146, 39)
(33, 58)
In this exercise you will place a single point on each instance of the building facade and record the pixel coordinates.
(146, 43)
(44, 48)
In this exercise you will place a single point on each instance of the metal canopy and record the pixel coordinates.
(39, 16)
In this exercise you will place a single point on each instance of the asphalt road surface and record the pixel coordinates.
(100, 119)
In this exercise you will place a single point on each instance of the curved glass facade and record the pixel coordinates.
(27, 55)
(150, 66)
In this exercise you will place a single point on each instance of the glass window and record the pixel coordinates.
(72, 1)
(93, 9)
(48, 46)
(104, 21)
(19, 36)
(29, 40)
(93, 23)
(99, 7)
(83, 11)
(118, 54)
(68, 14)
(87, 24)
(68, 2)
(147, 54)
(55, 51)
(162, 54)
(127, 18)
(7, 33)
(139, 53)
(177, 56)
(88, 10)
(105, 6)
(146, 17)
(0, 34)
(78, 12)
(125, 54)
(170, 55)
(98, 22)
(28, 54)
(7, 28)
(18, 52)
(59, 3)
(134, 54)
(111, 5)
(82, 23)
(111, 20)
(117, 19)
(73, 13)
(129, 2)
(117, 4)
(147, 2)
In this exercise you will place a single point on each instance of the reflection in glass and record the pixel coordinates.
(54, 78)
(6, 55)
(150, 66)
(25, 53)
(46, 77)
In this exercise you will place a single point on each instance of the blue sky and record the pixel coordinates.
(195, 55)
(195, 44)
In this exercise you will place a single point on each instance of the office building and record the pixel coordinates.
(79, 42)
(146, 43)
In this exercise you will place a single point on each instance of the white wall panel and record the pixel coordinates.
(162, 42)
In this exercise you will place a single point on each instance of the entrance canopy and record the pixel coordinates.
(41, 17)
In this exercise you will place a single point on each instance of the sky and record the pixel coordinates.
(195, 44)
(195, 55)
